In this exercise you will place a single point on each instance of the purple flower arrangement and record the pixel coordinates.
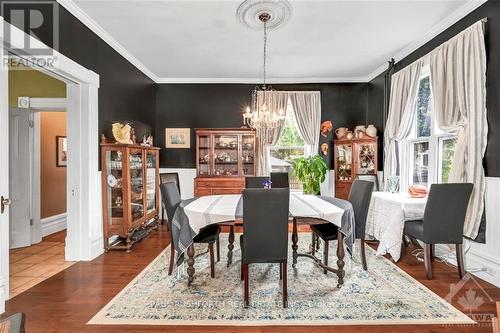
(267, 183)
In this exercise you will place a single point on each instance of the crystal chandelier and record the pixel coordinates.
(260, 115)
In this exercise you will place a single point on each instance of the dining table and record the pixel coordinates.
(387, 216)
(194, 214)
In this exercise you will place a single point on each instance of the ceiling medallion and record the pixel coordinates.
(249, 13)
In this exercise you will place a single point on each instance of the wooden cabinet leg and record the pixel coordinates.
(190, 262)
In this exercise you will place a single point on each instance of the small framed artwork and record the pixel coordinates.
(177, 138)
(62, 151)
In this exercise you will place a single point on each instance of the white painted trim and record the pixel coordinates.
(451, 19)
(53, 224)
(81, 15)
(244, 80)
(48, 104)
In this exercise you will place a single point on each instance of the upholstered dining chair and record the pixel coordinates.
(255, 182)
(265, 233)
(168, 177)
(207, 235)
(280, 180)
(360, 197)
(443, 222)
(370, 178)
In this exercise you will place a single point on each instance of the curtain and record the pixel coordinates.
(307, 111)
(458, 78)
(404, 88)
(265, 137)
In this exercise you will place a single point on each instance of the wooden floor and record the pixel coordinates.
(66, 301)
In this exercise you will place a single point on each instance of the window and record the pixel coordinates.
(427, 153)
(289, 147)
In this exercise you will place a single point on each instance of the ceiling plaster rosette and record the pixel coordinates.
(249, 11)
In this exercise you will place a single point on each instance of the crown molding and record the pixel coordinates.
(451, 19)
(244, 80)
(76, 11)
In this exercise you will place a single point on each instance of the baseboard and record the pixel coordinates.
(478, 263)
(53, 224)
(96, 248)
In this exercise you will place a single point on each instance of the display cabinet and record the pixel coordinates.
(353, 157)
(130, 193)
(223, 158)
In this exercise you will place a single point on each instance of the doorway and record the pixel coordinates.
(84, 239)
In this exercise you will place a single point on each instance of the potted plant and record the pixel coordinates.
(311, 172)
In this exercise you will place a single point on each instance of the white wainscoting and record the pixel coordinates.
(482, 260)
(53, 224)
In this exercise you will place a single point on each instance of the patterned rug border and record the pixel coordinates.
(98, 318)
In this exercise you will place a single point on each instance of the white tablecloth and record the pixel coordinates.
(386, 217)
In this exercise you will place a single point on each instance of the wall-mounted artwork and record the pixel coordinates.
(177, 137)
(62, 151)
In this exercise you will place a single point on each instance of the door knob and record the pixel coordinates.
(4, 202)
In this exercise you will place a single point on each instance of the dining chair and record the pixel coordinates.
(359, 197)
(168, 177)
(265, 233)
(207, 235)
(280, 180)
(443, 222)
(255, 182)
(370, 178)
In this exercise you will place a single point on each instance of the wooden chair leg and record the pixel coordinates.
(313, 243)
(212, 261)
(317, 242)
(172, 255)
(283, 266)
(325, 255)
(363, 255)
(428, 260)
(460, 260)
(433, 251)
(241, 271)
(281, 272)
(405, 241)
(246, 296)
(217, 242)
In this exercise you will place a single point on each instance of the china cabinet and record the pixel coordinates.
(130, 193)
(353, 157)
(224, 156)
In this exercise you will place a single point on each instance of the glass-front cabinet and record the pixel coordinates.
(353, 157)
(224, 156)
(130, 186)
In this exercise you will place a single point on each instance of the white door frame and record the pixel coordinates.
(84, 239)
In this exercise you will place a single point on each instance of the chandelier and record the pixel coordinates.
(261, 115)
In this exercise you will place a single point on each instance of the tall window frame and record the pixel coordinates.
(425, 155)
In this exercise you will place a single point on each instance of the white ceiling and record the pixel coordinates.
(324, 41)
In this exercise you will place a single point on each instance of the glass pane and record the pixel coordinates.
(447, 150)
(114, 186)
(366, 159)
(226, 155)
(150, 182)
(420, 163)
(247, 155)
(424, 107)
(344, 162)
(204, 155)
(136, 185)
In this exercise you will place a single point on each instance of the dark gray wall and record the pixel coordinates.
(222, 105)
(491, 10)
(125, 93)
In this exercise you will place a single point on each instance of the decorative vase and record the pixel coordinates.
(349, 135)
(341, 132)
(393, 184)
(361, 128)
(371, 131)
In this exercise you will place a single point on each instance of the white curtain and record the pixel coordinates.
(307, 111)
(265, 137)
(404, 88)
(458, 77)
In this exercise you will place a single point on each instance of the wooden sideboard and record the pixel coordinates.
(224, 156)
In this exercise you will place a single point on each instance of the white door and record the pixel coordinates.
(4, 178)
(20, 177)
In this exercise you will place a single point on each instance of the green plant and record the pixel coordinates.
(311, 172)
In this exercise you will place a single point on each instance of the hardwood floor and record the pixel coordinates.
(66, 301)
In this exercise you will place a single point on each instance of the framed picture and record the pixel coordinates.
(62, 151)
(177, 137)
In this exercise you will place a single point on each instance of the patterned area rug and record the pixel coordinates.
(382, 295)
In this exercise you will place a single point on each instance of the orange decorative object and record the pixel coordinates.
(326, 127)
(417, 191)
